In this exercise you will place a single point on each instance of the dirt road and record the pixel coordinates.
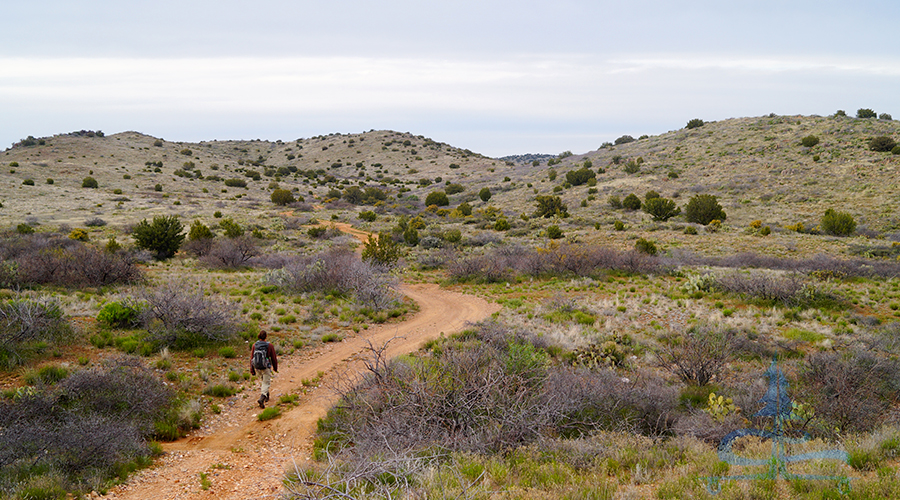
(244, 458)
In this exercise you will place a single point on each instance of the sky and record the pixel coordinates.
(495, 77)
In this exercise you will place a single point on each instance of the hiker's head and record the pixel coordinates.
(262, 335)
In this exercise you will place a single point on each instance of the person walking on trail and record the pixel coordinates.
(264, 361)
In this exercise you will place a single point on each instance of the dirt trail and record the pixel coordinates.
(245, 458)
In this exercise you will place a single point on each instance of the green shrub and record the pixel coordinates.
(79, 234)
(381, 249)
(438, 198)
(28, 182)
(615, 201)
(882, 144)
(865, 113)
(119, 315)
(316, 232)
(502, 224)
(703, 209)
(368, 216)
(838, 223)
(282, 197)
(236, 183)
(162, 236)
(452, 235)
(625, 139)
(50, 181)
(554, 232)
(484, 194)
(661, 209)
(227, 352)
(550, 206)
(24, 229)
(454, 188)
(619, 225)
(157, 187)
(580, 176)
(231, 228)
(809, 141)
(896, 150)
(199, 231)
(692, 230)
(885, 116)
(220, 391)
(695, 123)
(411, 236)
(186, 152)
(89, 182)
(645, 246)
(269, 413)
(632, 202)
(46, 375)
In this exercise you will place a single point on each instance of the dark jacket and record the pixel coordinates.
(270, 352)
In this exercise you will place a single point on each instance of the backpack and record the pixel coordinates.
(260, 358)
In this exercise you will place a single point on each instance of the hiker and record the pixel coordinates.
(264, 361)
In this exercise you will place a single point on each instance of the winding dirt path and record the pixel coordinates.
(244, 458)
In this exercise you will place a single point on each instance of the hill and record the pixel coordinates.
(756, 167)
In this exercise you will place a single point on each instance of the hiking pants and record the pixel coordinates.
(266, 377)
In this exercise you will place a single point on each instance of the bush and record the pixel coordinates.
(162, 236)
(89, 428)
(454, 188)
(282, 197)
(849, 391)
(230, 253)
(703, 209)
(632, 202)
(484, 194)
(28, 182)
(95, 222)
(368, 216)
(645, 246)
(89, 182)
(120, 314)
(236, 183)
(186, 152)
(661, 209)
(695, 123)
(885, 116)
(341, 271)
(700, 355)
(554, 232)
(809, 141)
(79, 234)
(24, 229)
(865, 113)
(838, 223)
(882, 144)
(26, 325)
(896, 150)
(44, 259)
(550, 206)
(625, 139)
(580, 176)
(438, 198)
(231, 228)
(381, 249)
(179, 315)
(615, 202)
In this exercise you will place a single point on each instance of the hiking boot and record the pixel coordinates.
(267, 397)
(262, 400)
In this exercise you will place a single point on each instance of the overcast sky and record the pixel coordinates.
(496, 77)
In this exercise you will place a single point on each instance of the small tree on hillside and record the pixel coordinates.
(162, 236)
(438, 198)
(703, 209)
(661, 209)
(809, 141)
(282, 197)
(838, 223)
(632, 202)
(484, 194)
(695, 123)
(866, 113)
(381, 249)
(882, 144)
(549, 206)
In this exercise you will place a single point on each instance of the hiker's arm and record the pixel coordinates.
(273, 357)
